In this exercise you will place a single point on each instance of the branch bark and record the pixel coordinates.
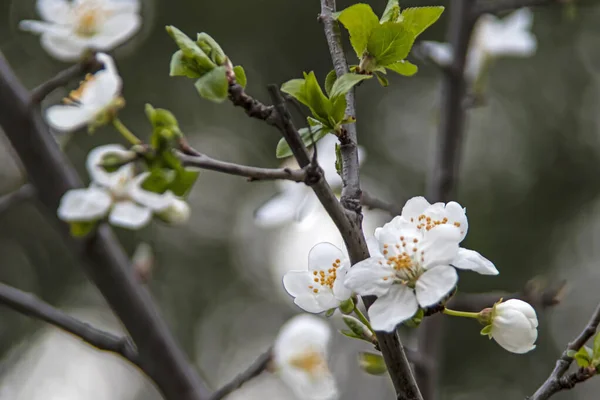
(254, 370)
(104, 261)
(30, 305)
(24, 193)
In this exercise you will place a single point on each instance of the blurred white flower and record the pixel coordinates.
(492, 37)
(412, 262)
(321, 287)
(118, 194)
(300, 358)
(514, 326)
(96, 96)
(70, 27)
(296, 201)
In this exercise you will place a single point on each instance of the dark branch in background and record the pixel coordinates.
(30, 305)
(252, 173)
(374, 203)
(103, 258)
(443, 178)
(24, 193)
(557, 381)
(254, 370)
(497, 6)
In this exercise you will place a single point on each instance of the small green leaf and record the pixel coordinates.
(81, 229)
(330, 312)
(360, 330)
(360, 21)
(308, 92)
(403, 67)
(182, 66)
(214, 85)
(583, 357)
(345, 83)
(349, 334)
(318, 132)
(329, 81)
(183, 182)
(486, 331)
(383, 81)
(391, 12)
(210, 47)
(159, 180)
(372, 363)
(190, 49)
(596, 351)
(389, 43)
(240, 75)
(417, 19)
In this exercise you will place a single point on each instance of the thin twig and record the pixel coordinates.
(254, 370)
(24, 193)
(103, 258)
(556, 381)
(30, 305)
(374, 203)
(497, 6)
(253, 107)
(252, 173)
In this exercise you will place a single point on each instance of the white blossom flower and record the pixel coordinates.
(492, 38)
(70, 27)
(419, 213)
(296, 201)
(118, 194)
(98, 94)
(514, 326)
(321, 287)
(300, 358)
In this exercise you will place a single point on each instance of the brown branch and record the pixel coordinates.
(557, 381)
(24, 193)
(374, 203)
(253, 107)
(252, 173)
(103, 258)
(254, 370)
(30, 305)
(498, 6)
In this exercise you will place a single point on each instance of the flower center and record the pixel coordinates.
(406, 260)
(325, 278)
(74, 96)
(311, 362)
(89, 17)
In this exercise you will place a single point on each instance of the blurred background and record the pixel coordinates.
(529, 180)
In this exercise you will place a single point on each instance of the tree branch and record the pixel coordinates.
(30, 305)
(24, 193)
(254, 370)
(374, 203)
(252, 173)
(104, 261)
(557, 381)
(497, 6)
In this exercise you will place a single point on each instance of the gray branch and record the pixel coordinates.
(101, 255)
(30, 305)
(254, 370)
(24, 193)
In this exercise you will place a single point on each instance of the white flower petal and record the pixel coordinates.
(116, 180)
(310, 387)
(82, 205)
(519, 20)
(277, 211)
(327, 300)
(154, 201)
(457, 216)
(40, 27)
(435, 284)
(340, 291)
(513, 330)
(56, 11)
(323, 256)
(115, 31)
(127, 214)
(522, 307)
(67, 118)
(302, 333)
(371, 277)
(393, 308)
(473, 261)
(123, 6)
(414, 207)
(440, 245)
(308, 302)
(297, 283)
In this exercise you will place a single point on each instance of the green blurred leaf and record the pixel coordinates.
(329, 80)
(349, 334)
(389, 43)
(318, 132)
(583, 357)
(417, 19)
(372, 363)
(415, 321)
(360, 21)
(391, 12)
(159, 180)
(211, 48)
(214, 86)
(191, 50)
(596, 351)
(240, 75)
(81, 229)
(330, 312)
(345, 83)
(183, 182)
(403, 67)
(383, 81)
(182, 66)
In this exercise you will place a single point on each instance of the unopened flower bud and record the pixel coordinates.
(177, 213)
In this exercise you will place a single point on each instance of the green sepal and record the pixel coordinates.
(214, 85)
(183, 182)
(416, 320)
(486, 331)
(383, 81)
(417, 19)
(360, 21)
(372, 363)
(347, 307)
(81, 229)
(191, 50)
(330, 312)
(165, 128)
(240, 75)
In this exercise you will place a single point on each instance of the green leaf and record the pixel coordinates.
(389, 43)
(345, 83)
(583, 357)
(403, 67)
(330, 312)
(329, 81)
(350, 334)
(391, 12)
(383, 81)
(81, 229)
(308, 92)
(596, 351)
(417, 19)
(182, 66)
(214, 85)
(190, 49)
(486, 331)
(360, 21)
(159, 180)
(372, 363)
(318, 132)
(359, 329)
(210, 47)
(240, 75)
(183, 182)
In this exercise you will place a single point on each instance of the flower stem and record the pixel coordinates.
(127, 134)
(461, 313)
(363, 319)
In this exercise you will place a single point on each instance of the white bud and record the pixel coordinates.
(514, 326)
(177, 213)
